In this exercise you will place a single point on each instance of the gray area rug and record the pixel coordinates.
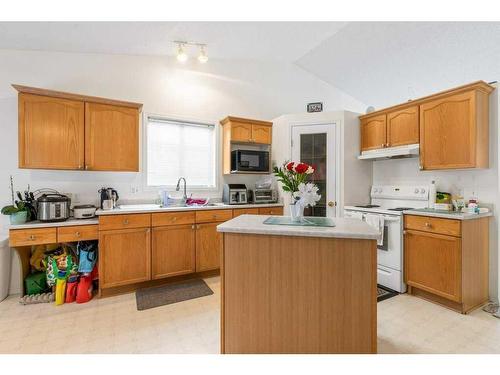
(385, 293)
(147, 298)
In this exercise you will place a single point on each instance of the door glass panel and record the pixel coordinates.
(313, 152)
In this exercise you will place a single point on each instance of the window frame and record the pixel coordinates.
(177, 118)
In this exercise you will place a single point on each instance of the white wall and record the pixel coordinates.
(483, 183)
(206, 92)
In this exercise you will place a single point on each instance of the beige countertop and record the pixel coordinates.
(446, 214)
(254, 224)
(70, 222)
(118, 211)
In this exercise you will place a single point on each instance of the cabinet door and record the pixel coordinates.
(373, 133)
(51, 132)
(111, 138)
(447, 132)
(261, 134)
(173, 250)
(124, 257)
(241, 132)
(433, 263)
(208, 247)
(402, 127)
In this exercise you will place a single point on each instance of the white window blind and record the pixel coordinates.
(180, 149)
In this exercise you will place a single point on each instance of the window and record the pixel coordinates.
(180, 149)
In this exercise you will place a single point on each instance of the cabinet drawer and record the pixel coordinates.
(213, 215)
(271, 211)
(77, 233)
(433, 225)
(172, 218)
(27, 237)
(124, 221)
(245, 211)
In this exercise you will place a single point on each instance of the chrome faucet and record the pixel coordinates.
(177, 188)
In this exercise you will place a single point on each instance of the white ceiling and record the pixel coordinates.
(282, 41)
(387, 62)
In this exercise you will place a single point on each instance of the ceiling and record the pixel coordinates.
(388, 62)
(378, 63)
(275, 41)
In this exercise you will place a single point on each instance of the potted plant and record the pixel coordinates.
(293, 177)
(17, 211)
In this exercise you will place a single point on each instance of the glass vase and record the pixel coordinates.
(296, 211)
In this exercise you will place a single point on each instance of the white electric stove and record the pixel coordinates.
(388, 203)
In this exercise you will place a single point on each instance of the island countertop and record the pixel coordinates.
(344, 228)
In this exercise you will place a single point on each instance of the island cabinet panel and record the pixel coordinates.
(373, 132)
(124, 257)
(298, 295)
(454, 132)
(434, 263)
(208, 247)
(402, 127)
(51, 132)
(173, 250)
(111, 138)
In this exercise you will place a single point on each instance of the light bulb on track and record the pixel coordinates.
(202, 57)
(181, 54)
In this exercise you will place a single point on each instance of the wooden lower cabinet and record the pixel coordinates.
(125, 256)
(434, 263)
(208, 247)
(173, 250)
(277, 211)
(446, 261)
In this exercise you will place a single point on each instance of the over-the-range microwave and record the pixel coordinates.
(249, 161)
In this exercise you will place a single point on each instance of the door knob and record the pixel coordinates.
(332, 204)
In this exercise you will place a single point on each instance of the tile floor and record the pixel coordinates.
(113, 325)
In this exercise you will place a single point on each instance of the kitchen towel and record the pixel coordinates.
(377, 222)
(356, 215)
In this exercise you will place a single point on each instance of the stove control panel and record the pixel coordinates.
(400, 192)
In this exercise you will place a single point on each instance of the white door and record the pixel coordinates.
(315, 145)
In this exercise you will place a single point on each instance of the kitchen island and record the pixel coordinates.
(294, 289)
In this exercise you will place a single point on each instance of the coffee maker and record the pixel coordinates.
(108, 198)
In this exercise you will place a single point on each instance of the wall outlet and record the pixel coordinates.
(134, 189)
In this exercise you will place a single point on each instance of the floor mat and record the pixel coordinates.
(385, 293)
(148, 298)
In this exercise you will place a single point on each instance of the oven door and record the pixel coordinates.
(389, 253)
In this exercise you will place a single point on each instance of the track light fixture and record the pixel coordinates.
(182, 55)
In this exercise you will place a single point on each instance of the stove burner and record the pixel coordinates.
(400, 209)
(368, 206)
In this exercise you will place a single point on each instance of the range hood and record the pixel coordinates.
(407, 151)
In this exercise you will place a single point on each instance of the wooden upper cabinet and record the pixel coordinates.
(373, 132)
(111, 138)
(402, 127)
(59, 130)
(454, 132)
(51, 132)
(241, 132)
(244, 130)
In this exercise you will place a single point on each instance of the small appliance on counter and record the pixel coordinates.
(108, 198)
(265, 195)
(235, 194)
(53, 207)
(84, 211)
(249, 161)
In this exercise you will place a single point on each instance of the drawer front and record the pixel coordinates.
(27, 237)
(245, 211)
(124, 221)
(271, 211)
(77, 233)
(433, 225)
(172, 218)
(213, 216)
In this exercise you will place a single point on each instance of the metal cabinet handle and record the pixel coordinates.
(198, 226)
(421, 166)
(387, 145)
(78, 234)
(174, 218)
(428, 225)
(32, 237)
(192, 226)
(125, 222)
